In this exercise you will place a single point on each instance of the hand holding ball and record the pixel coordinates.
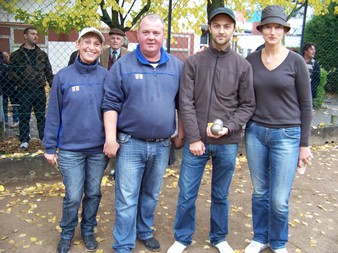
(216, 126)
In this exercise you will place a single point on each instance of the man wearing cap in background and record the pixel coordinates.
(215, 84)
(115, 50)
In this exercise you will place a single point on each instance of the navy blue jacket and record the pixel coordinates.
(74, 119)
(144, 96)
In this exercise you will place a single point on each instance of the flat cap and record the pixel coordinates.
(117, 31)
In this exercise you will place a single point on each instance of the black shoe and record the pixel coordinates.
(64, 246)
(152, 244)
(90, 243)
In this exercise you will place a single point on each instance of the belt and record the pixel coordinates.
(152, 140)
(147, 140)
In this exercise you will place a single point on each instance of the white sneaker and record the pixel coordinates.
(24, 145)
(224, 247)
(177, 247)
(255, 247)
(283, 250)
(15, 125)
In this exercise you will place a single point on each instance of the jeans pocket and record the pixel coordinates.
(249, 124)
(166, 142)
(292, 132)
(123, 138)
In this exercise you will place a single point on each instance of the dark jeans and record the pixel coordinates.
(12, 96)
(29, 100)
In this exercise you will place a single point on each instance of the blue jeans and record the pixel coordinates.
(82, 175)
(272, 155)
(191, 172)
(139, 171)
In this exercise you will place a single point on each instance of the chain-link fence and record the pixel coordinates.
(26, 80)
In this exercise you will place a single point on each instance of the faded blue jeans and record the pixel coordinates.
(272, 155)
(139, 171)
(191, 173)
(82, 174)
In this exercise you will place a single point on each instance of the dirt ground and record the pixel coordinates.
(30, 211)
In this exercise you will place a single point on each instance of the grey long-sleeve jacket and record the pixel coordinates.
(216, 84)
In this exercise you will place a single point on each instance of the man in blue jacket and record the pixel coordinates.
(139, 105)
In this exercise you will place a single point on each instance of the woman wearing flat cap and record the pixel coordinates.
(277, 135)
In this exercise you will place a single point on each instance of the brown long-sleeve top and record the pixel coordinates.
(283, 95)
(216, 85)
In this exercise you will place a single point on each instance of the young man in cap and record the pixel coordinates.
(215, 84)
(115, 50)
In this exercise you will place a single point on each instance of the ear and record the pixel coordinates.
(209, 28)
(78, 43)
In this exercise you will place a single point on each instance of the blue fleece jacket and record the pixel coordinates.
(143, 95)
(74, 120)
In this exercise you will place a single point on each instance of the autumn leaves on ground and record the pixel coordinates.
(30, 211)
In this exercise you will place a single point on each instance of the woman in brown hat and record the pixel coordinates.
(277, 135)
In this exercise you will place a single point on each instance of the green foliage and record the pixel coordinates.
(322, 30)
(187, 15)
(321, 89)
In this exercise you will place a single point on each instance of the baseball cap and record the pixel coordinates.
(222, 10)
(91, 30)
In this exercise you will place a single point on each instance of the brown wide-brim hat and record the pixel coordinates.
(273, 14)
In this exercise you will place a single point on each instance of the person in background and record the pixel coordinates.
(72, 57)
(140, 102)
(9, 94)
(215, 84)
(309, 52)
(125, 42)
(277, 135)
(29, 69)
(74, 128)
(115, 50)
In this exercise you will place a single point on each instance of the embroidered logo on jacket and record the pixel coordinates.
(75, 88)
(138, 76)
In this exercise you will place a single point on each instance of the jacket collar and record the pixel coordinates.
(85, 68)
(217, 52)
(164, 56)
(36, 47)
